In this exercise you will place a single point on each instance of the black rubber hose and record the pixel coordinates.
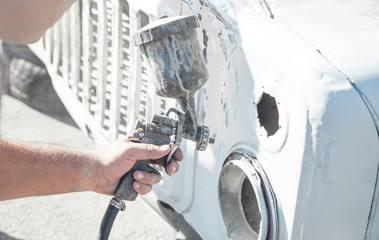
(107, 222)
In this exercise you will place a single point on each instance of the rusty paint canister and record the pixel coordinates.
(172, 50)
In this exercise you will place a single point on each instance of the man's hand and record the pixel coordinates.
(119, 157)
(28, 169)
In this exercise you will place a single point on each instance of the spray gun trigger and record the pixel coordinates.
(179, 132)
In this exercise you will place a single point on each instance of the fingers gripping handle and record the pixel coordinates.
(161, 130)
(125, 188)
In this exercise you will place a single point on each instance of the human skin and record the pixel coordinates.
(28, 169)
(24, 21)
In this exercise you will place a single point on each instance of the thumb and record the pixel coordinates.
(142, 151)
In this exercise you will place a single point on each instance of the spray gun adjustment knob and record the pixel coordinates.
(204, 139)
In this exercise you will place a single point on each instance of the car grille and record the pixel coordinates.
(91, 58)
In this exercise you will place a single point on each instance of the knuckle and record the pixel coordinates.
(150, 149)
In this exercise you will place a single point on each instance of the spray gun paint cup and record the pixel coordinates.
(172, 50)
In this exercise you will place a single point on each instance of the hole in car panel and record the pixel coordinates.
(268, 114)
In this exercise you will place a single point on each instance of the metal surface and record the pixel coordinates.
(204, 139)
(174, 55)
(164, 27)
(118, 203)
(162, 130)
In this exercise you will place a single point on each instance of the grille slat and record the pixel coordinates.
(116, 66)
(66, 45)
(102, 60)
(94, 78)
(135, 82)
(57, 48)
(87, 49)
(75, 40)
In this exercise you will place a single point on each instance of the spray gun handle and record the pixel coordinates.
(161, 130)
(125, 188)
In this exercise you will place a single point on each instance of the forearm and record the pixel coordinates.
(36, 169)
(24, 21)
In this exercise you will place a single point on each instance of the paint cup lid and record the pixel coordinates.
(163, 27)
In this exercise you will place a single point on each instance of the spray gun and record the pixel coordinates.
(171, 48)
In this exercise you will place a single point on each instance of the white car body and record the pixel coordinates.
(292, 95)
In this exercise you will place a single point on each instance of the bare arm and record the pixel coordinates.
(34, 169)
(24, 21)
